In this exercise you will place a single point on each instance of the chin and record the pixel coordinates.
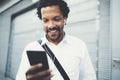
(54, 39)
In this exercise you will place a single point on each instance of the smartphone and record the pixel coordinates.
(36, 57)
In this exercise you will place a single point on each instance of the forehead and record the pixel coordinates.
(53, 10)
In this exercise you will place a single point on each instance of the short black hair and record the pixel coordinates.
(61, 3)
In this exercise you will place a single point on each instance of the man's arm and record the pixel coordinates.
(87, 71)
(23, 67)
(26, 72)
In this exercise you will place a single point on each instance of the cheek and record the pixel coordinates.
(44, 28)
(62, 23)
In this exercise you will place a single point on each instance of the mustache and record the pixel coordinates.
(54, 28)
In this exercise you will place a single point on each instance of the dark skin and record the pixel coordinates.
(53, 24)
(43, 75)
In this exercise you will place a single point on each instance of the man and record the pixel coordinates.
(70, 51)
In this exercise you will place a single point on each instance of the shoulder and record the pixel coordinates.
(78, 45)
(75, 40)
(33, 46)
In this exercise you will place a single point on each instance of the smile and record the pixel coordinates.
(55, 29)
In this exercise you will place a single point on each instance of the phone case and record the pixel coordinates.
(36, 57)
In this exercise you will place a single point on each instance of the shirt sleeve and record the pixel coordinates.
(24, 65)
(87, 71)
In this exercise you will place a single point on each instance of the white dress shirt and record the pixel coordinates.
(71, 53)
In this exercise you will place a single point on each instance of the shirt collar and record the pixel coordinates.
(64, 40)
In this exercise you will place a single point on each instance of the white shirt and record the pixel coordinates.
(72, 55)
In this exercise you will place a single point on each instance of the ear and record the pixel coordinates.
(65, 20)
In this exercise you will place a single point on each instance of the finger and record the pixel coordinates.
(41, 74)
(48, 77)
(33, 68)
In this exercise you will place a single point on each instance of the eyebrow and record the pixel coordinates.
(53, 17)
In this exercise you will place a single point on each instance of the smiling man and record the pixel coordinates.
(71, 52)
(53, 23)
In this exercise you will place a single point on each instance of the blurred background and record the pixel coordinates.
(94, 21)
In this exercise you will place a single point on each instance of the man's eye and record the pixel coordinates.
(57, 19)
(44, 20)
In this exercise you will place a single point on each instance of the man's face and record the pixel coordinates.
(53, 23)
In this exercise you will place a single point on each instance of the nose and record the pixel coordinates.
(51, 24)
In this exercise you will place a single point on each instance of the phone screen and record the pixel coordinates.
(36, 57)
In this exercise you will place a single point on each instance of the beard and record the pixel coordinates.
(54, 34)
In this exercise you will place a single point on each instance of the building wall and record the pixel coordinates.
(83, 22)
(115, 23)
(5, 33)
(4, 38)
(104, 44)
(19, 33)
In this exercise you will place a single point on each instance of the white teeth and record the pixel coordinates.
(53, 30)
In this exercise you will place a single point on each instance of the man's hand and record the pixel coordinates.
(34, 74)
